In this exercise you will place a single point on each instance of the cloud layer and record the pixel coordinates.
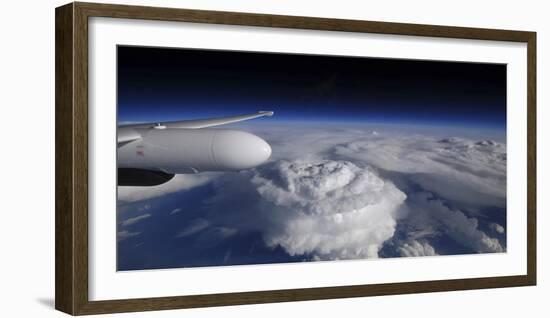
(471, 172)
(331, 193)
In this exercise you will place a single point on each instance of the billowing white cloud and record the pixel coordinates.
(135, 219)
(327, 209)
(416, 248)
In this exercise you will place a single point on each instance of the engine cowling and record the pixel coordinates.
(175, 151)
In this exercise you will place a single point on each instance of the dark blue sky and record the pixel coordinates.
(156, 84)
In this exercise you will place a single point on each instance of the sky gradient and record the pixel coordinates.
(166, 84)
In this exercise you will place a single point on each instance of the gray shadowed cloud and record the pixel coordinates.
(427, 212)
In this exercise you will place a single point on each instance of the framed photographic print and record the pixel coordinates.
(218, 158)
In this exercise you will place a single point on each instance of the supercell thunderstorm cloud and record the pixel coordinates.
(370, 158)
(330, 209)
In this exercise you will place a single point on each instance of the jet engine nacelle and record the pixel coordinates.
(177, 151)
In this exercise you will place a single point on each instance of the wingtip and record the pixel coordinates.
(266, 112)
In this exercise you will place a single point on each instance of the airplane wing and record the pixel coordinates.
(131, 132)
(201, 123)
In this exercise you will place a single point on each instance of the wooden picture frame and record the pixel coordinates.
(71, 90)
